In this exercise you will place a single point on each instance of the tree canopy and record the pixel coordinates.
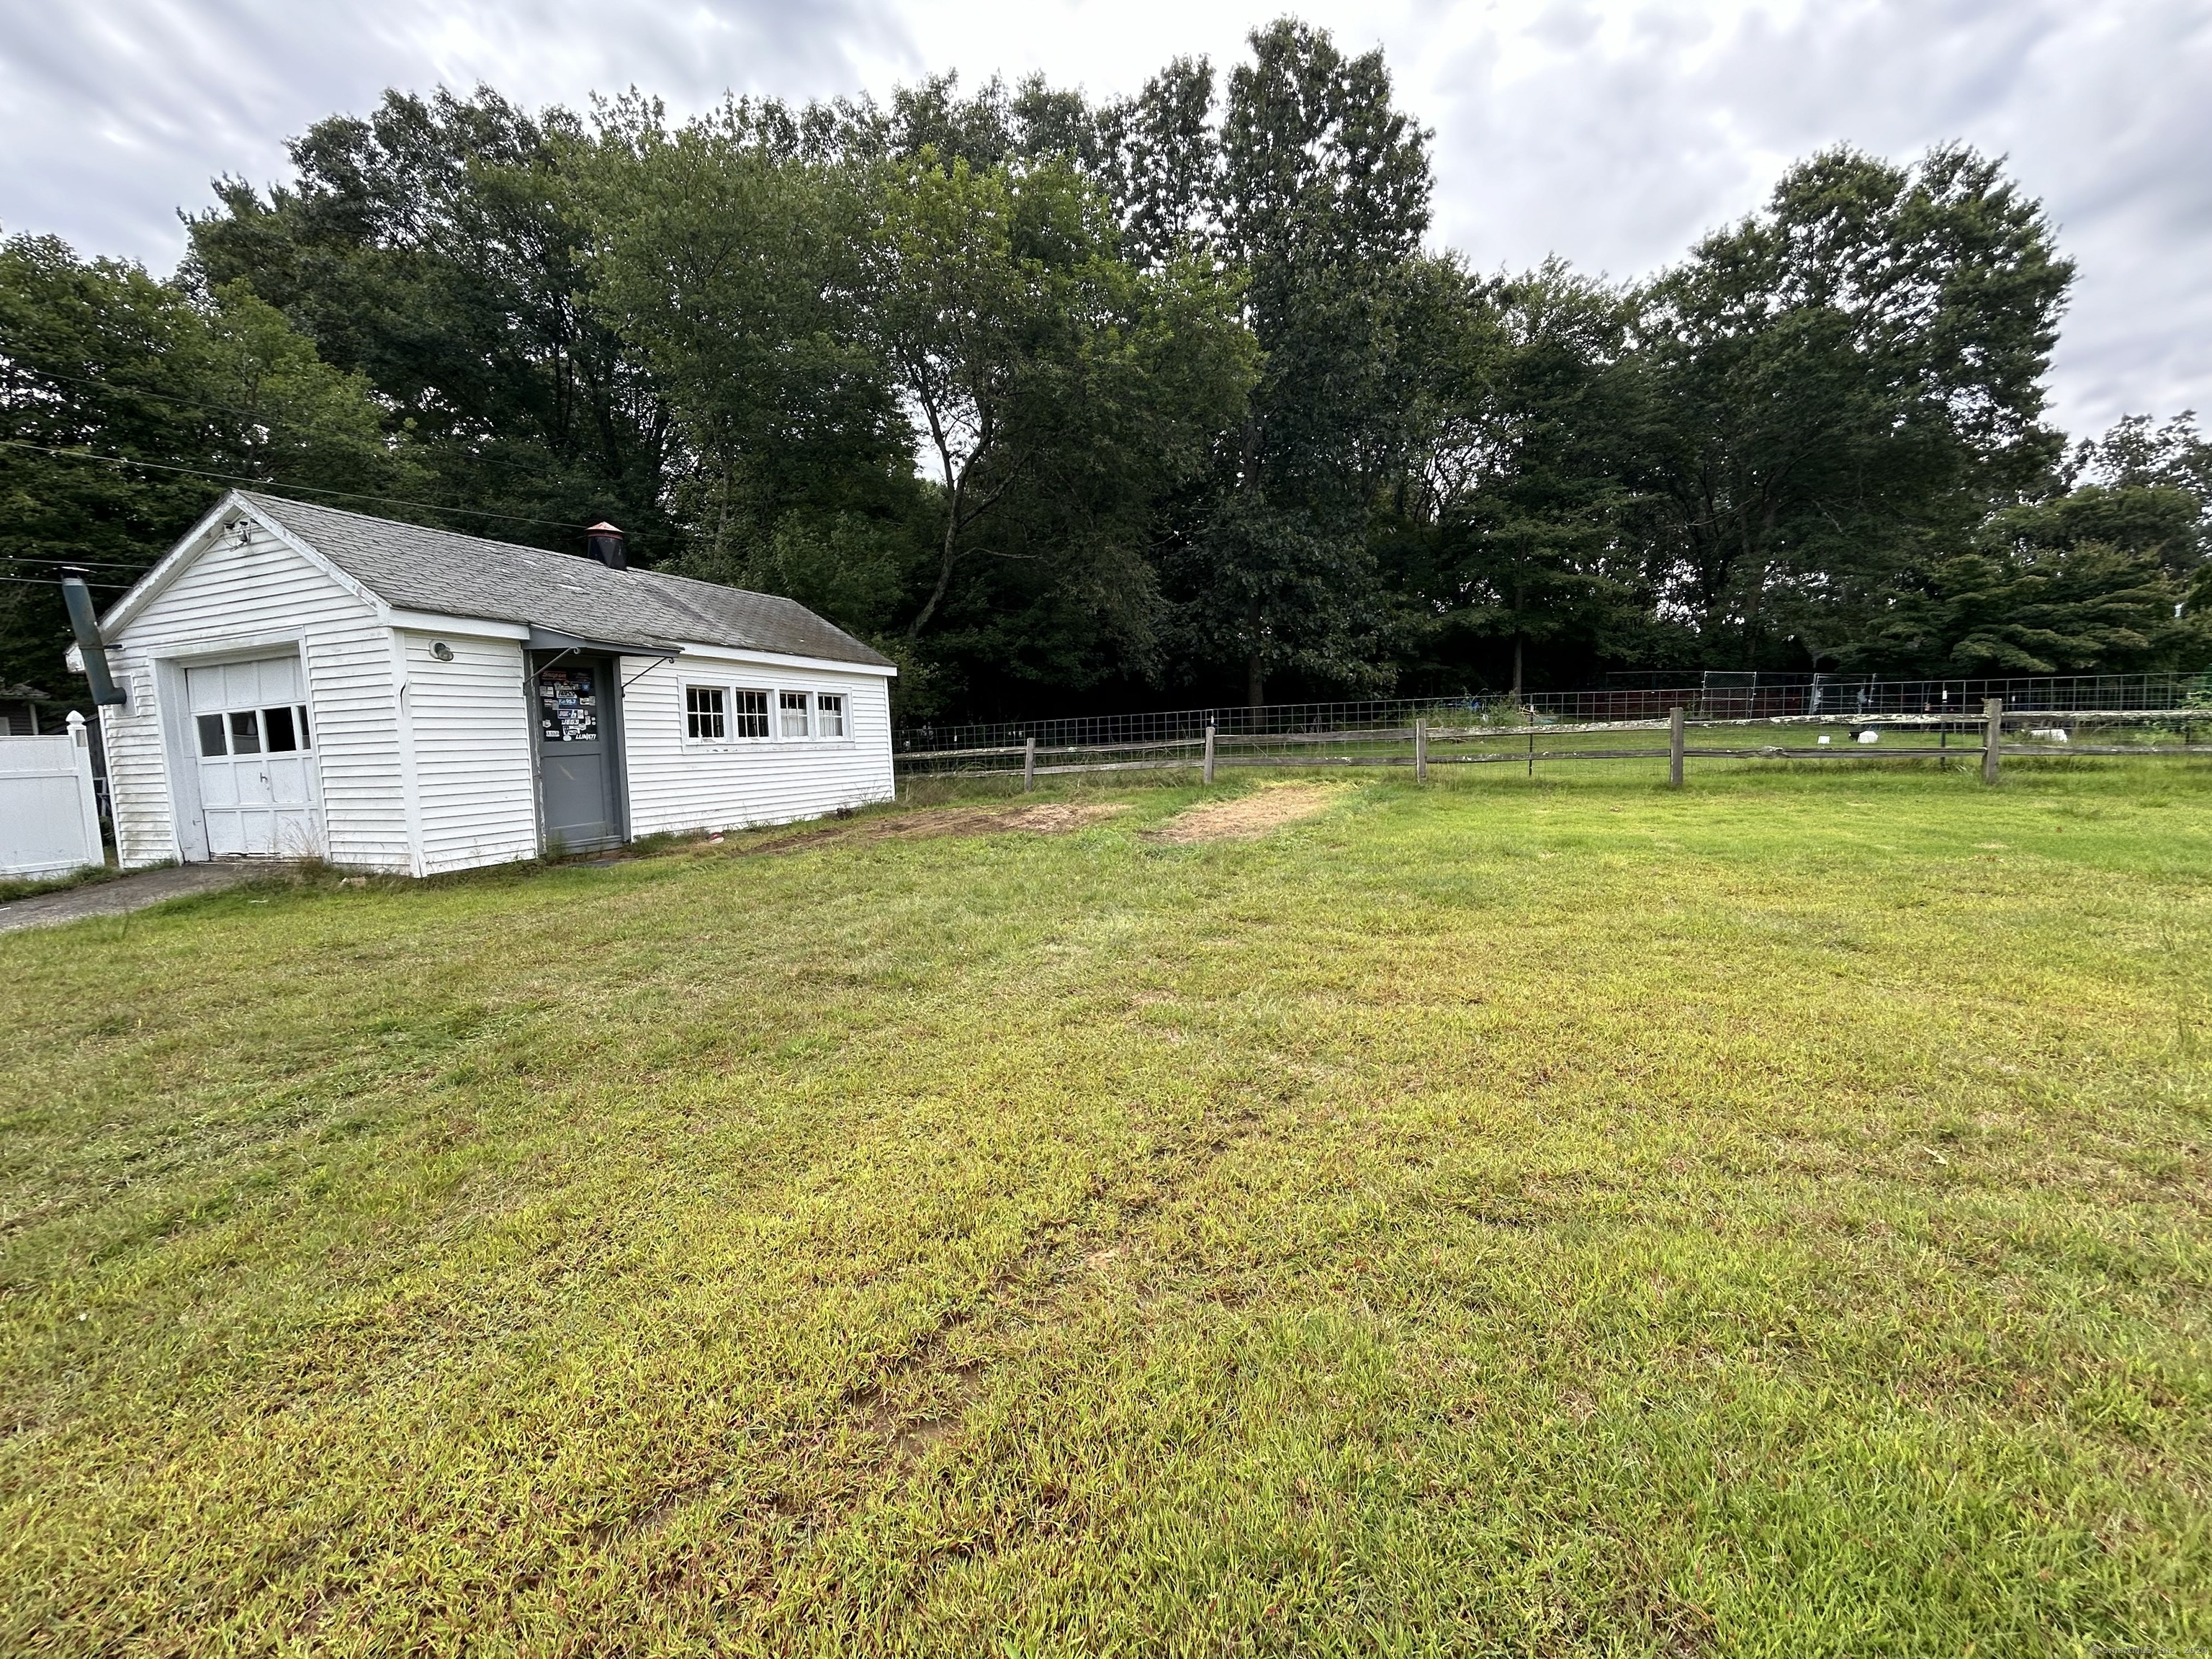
(189, 387)
(1069, 402)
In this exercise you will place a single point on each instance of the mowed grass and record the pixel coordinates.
(1500, 1218)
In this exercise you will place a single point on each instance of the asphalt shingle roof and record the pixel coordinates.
(417, 568)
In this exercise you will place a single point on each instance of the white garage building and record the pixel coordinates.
(302, 681)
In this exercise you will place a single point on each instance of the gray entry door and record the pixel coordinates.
(579, 783)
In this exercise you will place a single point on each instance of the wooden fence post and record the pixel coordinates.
(1992, 736)
(1029, 766)
(1675, 747)
(1209, 751)
(1420, 751)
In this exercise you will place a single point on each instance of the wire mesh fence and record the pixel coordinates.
(1709, 696)
(1525, 736)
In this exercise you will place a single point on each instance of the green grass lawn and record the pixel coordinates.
(1553, 1218)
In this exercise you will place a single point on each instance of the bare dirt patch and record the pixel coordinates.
(1249, 816)
(1037, 818)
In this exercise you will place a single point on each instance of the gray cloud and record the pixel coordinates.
(114, 113)
(1615, 146)
(1609, 131)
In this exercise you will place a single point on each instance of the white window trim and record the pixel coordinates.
(733, 737)
(687, 714)
(769, 710)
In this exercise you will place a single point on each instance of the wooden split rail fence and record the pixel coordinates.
(1423, 745)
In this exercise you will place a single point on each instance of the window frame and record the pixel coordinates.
(695, 716)
(269, 724)
(223, 723)
(739, 714)
(756, 714)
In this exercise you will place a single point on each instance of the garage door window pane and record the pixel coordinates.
(211, 743)
(245, 733)
(301, 709)
(276, 725)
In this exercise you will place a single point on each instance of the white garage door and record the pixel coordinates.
(258, 791)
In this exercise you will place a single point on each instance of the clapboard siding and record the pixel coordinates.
(250, 586)
(138, 770)
(350, 686)
(675, 785)
(470, 719)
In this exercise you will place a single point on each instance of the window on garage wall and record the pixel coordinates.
(791, 709)
(279, 731)
(704, 716)
(829, 715)
(748, 717)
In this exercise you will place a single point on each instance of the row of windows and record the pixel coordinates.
(252, 731)
(716, 714)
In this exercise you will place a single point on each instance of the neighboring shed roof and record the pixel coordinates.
(417, 568)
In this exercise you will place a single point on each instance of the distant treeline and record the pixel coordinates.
(1072, 404)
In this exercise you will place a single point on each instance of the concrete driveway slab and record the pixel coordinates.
(124, 894)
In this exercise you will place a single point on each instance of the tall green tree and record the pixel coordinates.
(100, 359)
(1513, 529)
(2088, 608)
(2144, 485)
(2107, 577)
(920, 391)
(433, 248)
(1848, 381)
(729, 255)
(1323, 198)
(1058, 398)
(1159, 161)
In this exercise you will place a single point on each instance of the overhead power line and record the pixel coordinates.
(274, 488)
(259, 418)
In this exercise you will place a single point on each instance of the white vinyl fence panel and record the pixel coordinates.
(49, 815)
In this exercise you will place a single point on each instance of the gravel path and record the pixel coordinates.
(124, 894)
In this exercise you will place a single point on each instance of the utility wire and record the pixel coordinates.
(261, 419)
(87, 564)
(264, 483)
(55, 581)
(206, 407)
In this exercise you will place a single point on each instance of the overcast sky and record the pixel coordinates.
(1610, 133)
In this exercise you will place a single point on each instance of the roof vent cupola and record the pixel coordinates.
(607, 544)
